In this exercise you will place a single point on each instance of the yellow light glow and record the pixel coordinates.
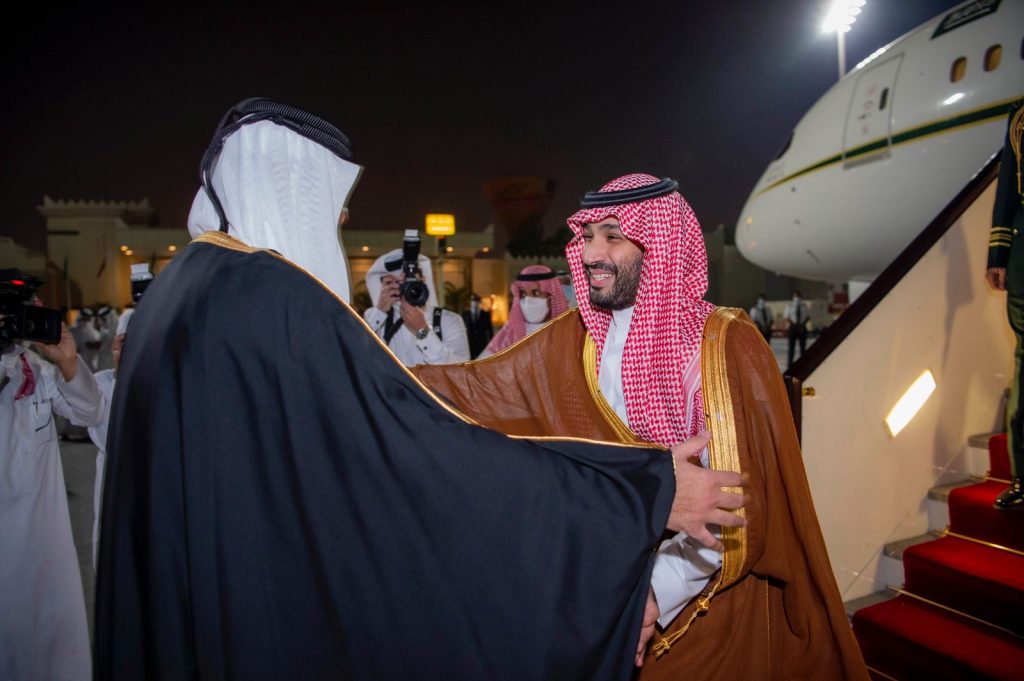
(449, 249)
(440, 224)
(172, 248)
(486, 249)
(128, 251)
(124, 248)
(365, 249)
(911, 402)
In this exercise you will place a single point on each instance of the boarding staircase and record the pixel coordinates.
(955, 609)
(945, 601)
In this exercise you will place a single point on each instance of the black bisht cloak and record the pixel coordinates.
(285, 500)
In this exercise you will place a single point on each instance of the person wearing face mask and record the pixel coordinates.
(797, 316)
(763, 317)
(537, 298)
(478, 326)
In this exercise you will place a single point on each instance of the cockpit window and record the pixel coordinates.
(785, 147)
(993, 55)
(959, 69)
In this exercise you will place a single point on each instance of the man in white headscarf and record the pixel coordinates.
(44, 633)
(283, 499)
(424, 334)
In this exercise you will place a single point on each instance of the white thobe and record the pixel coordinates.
(454, 348)
(682, 567)
(43, 629)
(98, 435)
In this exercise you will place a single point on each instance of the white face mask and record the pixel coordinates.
(534, 309)
(474, 306)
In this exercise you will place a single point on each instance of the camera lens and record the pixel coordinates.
(415, 292)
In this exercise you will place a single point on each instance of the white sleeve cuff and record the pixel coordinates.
(682, 568)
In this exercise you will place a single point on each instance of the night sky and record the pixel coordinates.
(108, 104)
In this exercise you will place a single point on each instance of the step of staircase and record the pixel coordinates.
(960, 614)
(866, 602)
(970, 508)
(938, 502)
(999, 459)
(895, 549)
(975, 579)
(904, 638)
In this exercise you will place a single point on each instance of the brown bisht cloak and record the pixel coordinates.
(773, 611)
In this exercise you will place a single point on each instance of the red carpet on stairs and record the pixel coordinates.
(971, 514)
(905, 638)
(977, 580)
(998, 460)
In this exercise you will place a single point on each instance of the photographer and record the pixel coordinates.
(417, 334)
(43, 630)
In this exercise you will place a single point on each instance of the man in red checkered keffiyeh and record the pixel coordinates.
(640, 271)
(536, 298)
(652, 282)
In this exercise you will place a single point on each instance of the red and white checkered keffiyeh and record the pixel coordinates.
(515, 328)
(668, 320)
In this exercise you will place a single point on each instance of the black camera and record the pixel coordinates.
(413, 291)
(22, 319)
(140, 278)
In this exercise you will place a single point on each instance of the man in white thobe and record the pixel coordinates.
(43, 629)
(417, 335)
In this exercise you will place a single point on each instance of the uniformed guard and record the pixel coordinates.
(1006, 273)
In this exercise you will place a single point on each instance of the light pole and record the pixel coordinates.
(840, 18)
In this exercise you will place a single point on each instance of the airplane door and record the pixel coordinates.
(868, 135)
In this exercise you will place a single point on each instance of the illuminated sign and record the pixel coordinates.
(440, 224)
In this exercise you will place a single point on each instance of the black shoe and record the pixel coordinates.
(1012, 496)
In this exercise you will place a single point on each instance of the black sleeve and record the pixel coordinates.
(1008, 201)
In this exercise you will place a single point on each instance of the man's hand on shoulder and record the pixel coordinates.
(996, 278)
(700, 500)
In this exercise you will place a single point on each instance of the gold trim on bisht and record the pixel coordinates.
(589, 363)
(724, 455)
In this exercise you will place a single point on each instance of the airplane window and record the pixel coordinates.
(958, 70)
(884, 98)
(992, 57)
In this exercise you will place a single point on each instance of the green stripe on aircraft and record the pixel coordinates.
(936, 127)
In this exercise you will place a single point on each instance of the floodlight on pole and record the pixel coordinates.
(840, 19)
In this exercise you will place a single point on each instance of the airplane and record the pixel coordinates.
(885, 148)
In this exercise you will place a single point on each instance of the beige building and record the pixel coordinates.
(96, 242)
